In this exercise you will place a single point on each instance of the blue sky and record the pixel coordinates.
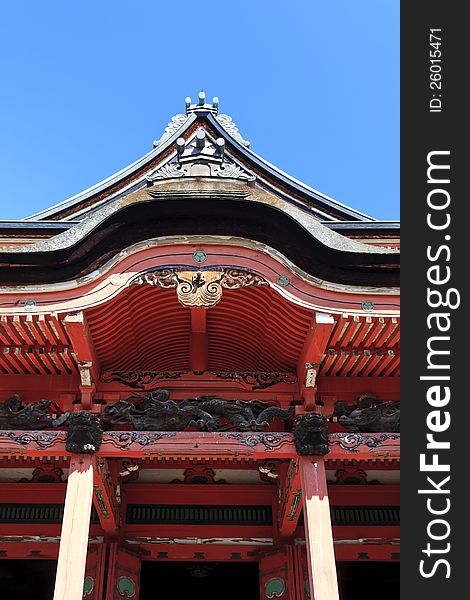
(87, 86)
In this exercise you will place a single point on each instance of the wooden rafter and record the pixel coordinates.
(79, 334)
(198, 341)
(312, 353)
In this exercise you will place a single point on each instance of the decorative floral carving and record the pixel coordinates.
(199, 474)
(268, 470)
(45, 474)
(271, 441)
(163, 278)
(233, 279)
(230, 170)
(176, 122)
(129, 469)
(230, 127)
(40, 439)
(352, 476)
(139, 379)
(169, 171)
(199, 288)
(124, 439)
(257, 380)
(352, 442)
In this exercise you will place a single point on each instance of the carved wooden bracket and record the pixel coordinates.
(311, 434)
(199, 288)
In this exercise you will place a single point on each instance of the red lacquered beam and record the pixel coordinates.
(142, 444)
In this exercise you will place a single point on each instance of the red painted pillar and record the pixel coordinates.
(318, 533)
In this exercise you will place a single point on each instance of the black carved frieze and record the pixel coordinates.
(311, 434)
(13, 415)
(156, 412)
(139, 379)
(369, 415)
(258, 380)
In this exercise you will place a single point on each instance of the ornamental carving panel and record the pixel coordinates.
(156, 412)
(199, 288)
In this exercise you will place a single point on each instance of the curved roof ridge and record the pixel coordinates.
(115, 177)
(226, 128)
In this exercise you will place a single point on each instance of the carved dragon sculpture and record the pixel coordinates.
(156, 412)
(13, 415)
(370, 415)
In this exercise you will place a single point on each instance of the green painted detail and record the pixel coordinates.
(368, 305)
(199, 256)
(294, 506)
(126, 586)
(283, 280)
(274, 587)
(307, 588)
(30, 304)
(88, 586)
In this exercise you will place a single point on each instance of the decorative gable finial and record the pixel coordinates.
(201, 106)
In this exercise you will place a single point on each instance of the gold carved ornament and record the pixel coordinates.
(200, 288)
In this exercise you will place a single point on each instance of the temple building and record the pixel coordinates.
(199, 384)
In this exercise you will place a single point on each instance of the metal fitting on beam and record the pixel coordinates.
(180, 144)
(200, 138)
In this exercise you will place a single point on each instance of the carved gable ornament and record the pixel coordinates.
(201, 156)
(202, 106)
(200, 288)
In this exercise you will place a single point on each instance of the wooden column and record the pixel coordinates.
(75, 528)
(318, 534)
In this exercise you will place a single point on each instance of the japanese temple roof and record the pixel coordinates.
(46, 228)
(200, 182)
(201, 115)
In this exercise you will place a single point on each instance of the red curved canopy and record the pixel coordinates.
(251, 329)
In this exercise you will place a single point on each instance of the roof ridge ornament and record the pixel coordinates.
(201, 106)
(200, 156)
